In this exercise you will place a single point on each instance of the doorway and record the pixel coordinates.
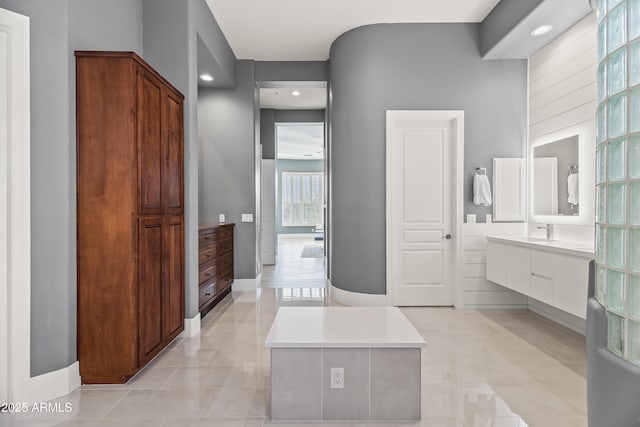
(299, 204)
(15, 253)
(423, 205)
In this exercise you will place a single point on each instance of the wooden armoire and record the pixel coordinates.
(130, 214)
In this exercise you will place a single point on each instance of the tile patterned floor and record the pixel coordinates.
(490, 368)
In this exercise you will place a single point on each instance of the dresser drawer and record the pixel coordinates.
(224, 283)
(207, 255)
(225, 261)
(205, 231)
(225, 234)
(206, 240)
(225, 246)
(207, 292)
(207, 274)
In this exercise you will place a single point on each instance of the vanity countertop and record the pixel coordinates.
(580, 249)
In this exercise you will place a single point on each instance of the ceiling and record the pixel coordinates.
(283, 98)
(303, 30)
(300, 141)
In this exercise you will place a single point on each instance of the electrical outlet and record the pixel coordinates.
(337, 377)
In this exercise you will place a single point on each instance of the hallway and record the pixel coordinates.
(294, 267)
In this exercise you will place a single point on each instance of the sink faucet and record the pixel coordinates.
(549, 228)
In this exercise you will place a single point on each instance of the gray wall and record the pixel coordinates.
(268, 133)
(227, 155)
(57, 29)
(268, 119)
(292, 166)
(566, 151)
(407, 66)
(306, 71)
(170, 33)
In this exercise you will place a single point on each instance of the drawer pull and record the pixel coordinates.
(540, 275)
(207, 294)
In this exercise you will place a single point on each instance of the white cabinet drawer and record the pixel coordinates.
(519, 269)
(496, 258)
(542, 263)
(541, 289)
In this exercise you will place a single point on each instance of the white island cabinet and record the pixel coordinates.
(553, 272)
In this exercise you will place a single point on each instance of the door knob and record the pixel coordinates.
(448, 237)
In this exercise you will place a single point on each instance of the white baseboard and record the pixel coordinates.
(556, 315)
(54, 384)
(191, 327)
(357, 299)
(246, 284)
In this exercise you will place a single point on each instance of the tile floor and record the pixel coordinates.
(490, 368)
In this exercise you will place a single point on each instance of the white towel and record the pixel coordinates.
(572, 188)
(481, 190)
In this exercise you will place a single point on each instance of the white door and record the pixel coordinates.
(4, 220)
(15, 253)
(420, 214)
(268, 212)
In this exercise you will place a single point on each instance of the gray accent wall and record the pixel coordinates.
(226, 135)
(407, 66)
(292, 166)
(59, 27)
(268, 119)
(171, 30)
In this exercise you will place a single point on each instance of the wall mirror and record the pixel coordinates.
(556, 178)
(561, 167)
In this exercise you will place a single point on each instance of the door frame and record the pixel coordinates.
(457, 184)
(18, 206)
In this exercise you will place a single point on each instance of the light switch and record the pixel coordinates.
(247, 217)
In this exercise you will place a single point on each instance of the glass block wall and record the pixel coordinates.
(618, 174)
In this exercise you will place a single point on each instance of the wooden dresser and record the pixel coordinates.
(130, 223)
(216, 264)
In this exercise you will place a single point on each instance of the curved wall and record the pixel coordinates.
(408, 66)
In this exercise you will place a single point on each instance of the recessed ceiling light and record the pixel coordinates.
(295, 93)
(206, 77)
(542, 30)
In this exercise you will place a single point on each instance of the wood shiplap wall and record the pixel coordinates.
(478, 292)
(562, 81)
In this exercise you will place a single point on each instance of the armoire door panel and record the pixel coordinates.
(150, 154)
(150, 283)
(173, 152)
(173, 298)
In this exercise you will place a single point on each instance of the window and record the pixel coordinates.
(302, 199)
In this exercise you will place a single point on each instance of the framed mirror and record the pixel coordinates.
(561, 176)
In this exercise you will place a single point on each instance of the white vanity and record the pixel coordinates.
(553, 272)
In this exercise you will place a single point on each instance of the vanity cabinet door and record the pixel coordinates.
(519, 269)
(570, 283)
(496, 270)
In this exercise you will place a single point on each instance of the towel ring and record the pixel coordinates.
(481, 171)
